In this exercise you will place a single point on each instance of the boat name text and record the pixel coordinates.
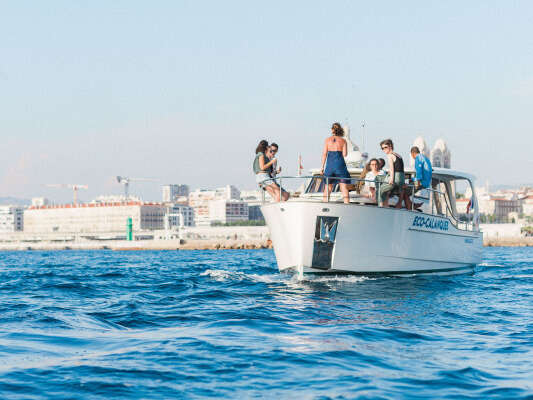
(430, 223)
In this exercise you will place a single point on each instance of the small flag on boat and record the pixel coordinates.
(469, 206)
(300, 166)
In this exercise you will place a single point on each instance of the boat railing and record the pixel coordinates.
(438, 200)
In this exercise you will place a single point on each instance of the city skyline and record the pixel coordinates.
(182, 92)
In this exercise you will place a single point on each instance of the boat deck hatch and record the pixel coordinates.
(325, 233)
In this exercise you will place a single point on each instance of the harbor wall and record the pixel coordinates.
(240, 237)
(504, 235)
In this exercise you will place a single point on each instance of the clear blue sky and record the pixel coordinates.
(182, 91)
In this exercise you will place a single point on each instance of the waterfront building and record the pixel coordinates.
(498, 208)
(172, 192)
(254, 199)
(183, 200)
(11, 218)
(95, 217)
(527, 205)
(179, 215)
(39, 201)
(200, 199)
(115, 198)
(503, 207)
(226, 211)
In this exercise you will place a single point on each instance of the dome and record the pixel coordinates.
(441, 144)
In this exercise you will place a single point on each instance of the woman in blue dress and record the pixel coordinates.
(335, 149)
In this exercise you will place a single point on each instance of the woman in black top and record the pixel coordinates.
(396, 176)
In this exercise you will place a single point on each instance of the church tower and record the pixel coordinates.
(440, 155)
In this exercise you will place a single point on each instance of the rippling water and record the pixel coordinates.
(195, 324)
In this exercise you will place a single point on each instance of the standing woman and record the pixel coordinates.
(262, 168)
(335, 149)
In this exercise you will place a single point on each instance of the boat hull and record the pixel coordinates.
(315, 237)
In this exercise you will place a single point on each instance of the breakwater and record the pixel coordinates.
(197, 238)
(508, 242)
(200, 244)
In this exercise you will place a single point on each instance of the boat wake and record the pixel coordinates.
(222, 275)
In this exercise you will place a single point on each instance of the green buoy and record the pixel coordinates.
(129, 227)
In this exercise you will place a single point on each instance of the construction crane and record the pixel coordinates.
(74, 188)
(126, 182)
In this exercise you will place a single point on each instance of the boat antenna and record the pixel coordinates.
(363, 127)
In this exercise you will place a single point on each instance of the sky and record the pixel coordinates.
(182, 91)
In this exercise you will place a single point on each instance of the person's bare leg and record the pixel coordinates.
(327, 191)
(275, 188)
(400, 201)
(386, 199)
(345, 193)
(407, 200)
(271, 191)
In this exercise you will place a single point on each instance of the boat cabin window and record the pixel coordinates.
(317, 184)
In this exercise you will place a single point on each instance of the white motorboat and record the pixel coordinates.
(311, 234)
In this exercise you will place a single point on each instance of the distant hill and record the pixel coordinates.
(14, 201)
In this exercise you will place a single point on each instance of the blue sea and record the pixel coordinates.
(202, 324)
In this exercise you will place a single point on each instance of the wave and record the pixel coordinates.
(228, 324)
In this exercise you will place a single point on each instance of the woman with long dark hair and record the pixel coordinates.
(335, 149)
(263, 167)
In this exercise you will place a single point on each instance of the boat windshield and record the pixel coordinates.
(453, 197)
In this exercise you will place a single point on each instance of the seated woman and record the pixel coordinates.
(273, 171)
(262, 167)
(335, 149)
(370, 179)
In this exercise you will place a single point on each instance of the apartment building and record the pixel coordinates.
(11, 219)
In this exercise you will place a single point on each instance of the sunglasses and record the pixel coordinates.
(384, 147)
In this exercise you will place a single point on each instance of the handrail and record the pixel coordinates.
(351, 179)
(434, 194)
